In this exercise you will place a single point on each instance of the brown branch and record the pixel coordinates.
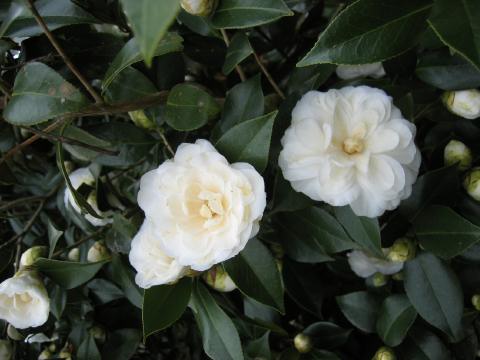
(61, 52)
(80, 242)
(237, 67)
(269, 77)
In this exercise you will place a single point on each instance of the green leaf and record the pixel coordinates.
(68, 274)
(219, 335)
(435, 292)
(285, 199)
(129, 85)
(238, 51)
(361, 309)
(189, 107)
(88, 349)
(259, 348)
(40, 94)
(104, 290)
(150, 20)
(53, 235)
(364, 231)
(249, 141)
(456, 24)
(122, 344)
(422, 344)
(120, 236)
(163, 305)
(122, 274)
(79, 152)
(309, 78)
(327, 335)
(237, 14)
(316, 354)
(255, 273)
(443, 232)
(130, 54)
(368, 31)
(395, 318)
(58, 301)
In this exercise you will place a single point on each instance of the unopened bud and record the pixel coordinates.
(31, 255)
(402, 250)
(141, 120)
(52, 347)
(98, 334)
(199, 7)
(98, 252)
(379, 280)
(457, 152)
(218, 279)
(64, 354)
(472, 183)
(303, 343)
(6, 351)
(384, 353)
(74, 254)
(476, 301)
(44, 355)
(464, 103)
(398, 276)
(14, 334)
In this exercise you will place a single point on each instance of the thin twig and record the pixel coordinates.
(237, 67)
(21, 201)
(61, 52)
(166, 143)
(80, 242)
(269, 77)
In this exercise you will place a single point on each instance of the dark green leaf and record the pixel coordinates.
(368, 31)
(125, 278)
(238, 50)
(309, 78)
(255, 273)
(104, 290)
(259, 348)
(422, 344)
(88, 349)
(130, 84)
(53, 235)
(316, 354)
(122, 344)
(285, 199)
(120, 236)
(361, 309)
(163, 305)
(58, 301)
(327, 335)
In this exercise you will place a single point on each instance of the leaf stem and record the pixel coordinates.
(238, 68)
(268, 76)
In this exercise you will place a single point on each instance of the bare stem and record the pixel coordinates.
(80, 242)
(269, 77)
(61, 52)
(239, 70)
(166, 143)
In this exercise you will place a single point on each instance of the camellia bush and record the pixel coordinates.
(239, 179)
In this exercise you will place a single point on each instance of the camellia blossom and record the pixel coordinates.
(78, 178)
(351, 147)
(365, 265)
(200, 210)
(24, 301)
(198, 7)
(348, 72)
(464, 103)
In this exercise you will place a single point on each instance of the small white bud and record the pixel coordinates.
(141, 120)
(74, 254)
(303, 343)
(98, 252)
(44, 355)
(199, 7)
(476, 301)
(218, 279)
(6, 351)
(14, 334)
(464, 103)
(384, 353)
(402, 250)
(64, 354)
(457, 152)
(472, 183)
(29, 257)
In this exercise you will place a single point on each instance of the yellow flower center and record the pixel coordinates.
(212, 204)
(352, 146)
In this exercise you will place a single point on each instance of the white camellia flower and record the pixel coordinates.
(78, 178)
(24, 301)
(351, 147)
(348, 72)
(365, 265)
(464, 103)
(202, 209)
(152, 265)
(199, 7)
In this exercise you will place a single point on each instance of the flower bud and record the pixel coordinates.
(457, 152)
(384, 353)
(44, 355)
(98, 252)
(472, 183)
(6, 351)
(64, 354)
(52, 347)
(303, 343)
(464, 103)
(74, 254)
(141, 120)
(199, 7)
(398, 276)
(98, 334)
(476, 301)
(31, 255)
(14, 334)
(218, 279)
(402, 250)
(379, 280)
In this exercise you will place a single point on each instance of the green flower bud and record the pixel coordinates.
(403, 249)
(44, 355)
(464, 103)
(384, 353)
(98, 252)
(52, 347)
(141, 120)
(476, 301)
(379, 280)
(14, 334)
(398, 276)
(98, 334)
(457, 152)
(31, 255)
(6, 351)
(303, 343)
(472, 183)
(218, 279)
(199, 7)
(74, 254)
(64, 354)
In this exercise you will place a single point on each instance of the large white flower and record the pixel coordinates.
(152, 265)
(365, 265)
(78, 178)
(202, 209)
(24, 301)
(351, 146)
(348, 72)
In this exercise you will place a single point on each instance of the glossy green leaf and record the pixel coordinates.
(422, 344)
(80, 152)
(361, 309)
(236, 14)
(238, 51)
(368, 31)
(219, 335)
(434, 291)
(259, 348)
(104, 290)
(327, 335)
(189, 107)
(316, 354)
(309, 78)
(68, 274)
(88, 349)
(125, 278)
(120, 236)
(255, 273)
(54, 235)
(249, 141)
(364, 231)
(285, 199)
(163, 305)
(128, 85)
(58, 301)
(394, 319)
(456, 24)
(443, 232)
(150, 20)
(130, 54)
(40, 94)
